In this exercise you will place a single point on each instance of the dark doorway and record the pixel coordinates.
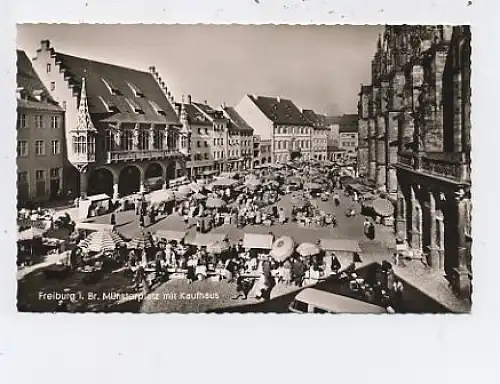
(130, 180)
(100, 181)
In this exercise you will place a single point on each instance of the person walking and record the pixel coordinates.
(112, 219)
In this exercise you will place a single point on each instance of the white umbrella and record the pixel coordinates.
(101, 241)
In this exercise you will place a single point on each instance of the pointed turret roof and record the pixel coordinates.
(84, 121)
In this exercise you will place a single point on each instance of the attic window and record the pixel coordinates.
(137, 91)
(111, 87)
(134, 106)
(157, 108)
(109, 105)
(38, 94)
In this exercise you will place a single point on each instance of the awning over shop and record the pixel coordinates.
(223, 183)
(340, 245)
(204, 239)
(29, 234)
(170, 235)
(99, 197)
(257, 240)
(161, 196)
(383, 207)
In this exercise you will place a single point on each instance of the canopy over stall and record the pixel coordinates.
(94, 227)
(222, 183)
(171, 235)
(343, 245)
(204, 239)
(29, 234)
(161, 196)
(257, 240)
(308, 249)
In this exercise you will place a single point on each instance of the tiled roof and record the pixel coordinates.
(349, 123)
(332, 119)
(195, 116)
(279, 110)
(212, 113)
(132, 95)
(28, 80)
(237, 120)
(319, 121)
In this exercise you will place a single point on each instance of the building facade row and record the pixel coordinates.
(414, 129)
(87, 127)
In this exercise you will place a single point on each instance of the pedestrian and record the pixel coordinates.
(397, 294)
(287, 272)
(298, 270)
(112, 219)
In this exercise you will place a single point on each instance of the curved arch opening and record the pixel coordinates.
(100, 181)
(129, 180)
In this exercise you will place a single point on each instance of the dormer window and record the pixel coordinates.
(157, 108)
(111, 87)
(136, 90)
(134, 106)
(109, 105)
(38, 94)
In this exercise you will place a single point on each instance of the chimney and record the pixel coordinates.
(278, 99)
(45, 45)
(223, 105)
(205, 102)
(189, 99)
(152, 69)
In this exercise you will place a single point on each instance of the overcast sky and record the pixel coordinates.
(318, 67)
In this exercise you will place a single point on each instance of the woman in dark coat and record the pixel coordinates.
(112, 219)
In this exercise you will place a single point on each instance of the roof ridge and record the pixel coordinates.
(102, 62)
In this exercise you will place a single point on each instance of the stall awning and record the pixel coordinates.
(258, 240)
(223, 183)
(340, 245)
(161, 196)
(170, 235)
(94, 227)
(204, 239)
(99, 197)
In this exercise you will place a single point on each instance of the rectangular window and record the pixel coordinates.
(21, 120)
(39, 147)
(22, 148)
(22, 177)
(54, 173)
(56, 148)
(54, 122)
(198, 144)
(39, 121)
(52, 85)
(49, 67)
(206, 144)
(40, 175)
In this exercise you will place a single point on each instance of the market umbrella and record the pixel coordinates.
(199, 196)
(195, 187)
(184, 189)
(217, 247)
(141, 241)
(101, 241)
(213, 202)
(282, 248)
(383, 207)
(313, 186)
(29, 234)
(308, 249)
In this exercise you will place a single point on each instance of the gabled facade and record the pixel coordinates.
(41, 156)
(278, 120)
(121, 127)
(319, 134)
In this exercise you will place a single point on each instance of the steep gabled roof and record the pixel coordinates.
(212, 113)
(237, 120)
(194, 115)
(31, 86)
(279, 110)
(117, 93)
(319, 121)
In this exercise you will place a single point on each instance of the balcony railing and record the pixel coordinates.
(117, 156)
(446, 165)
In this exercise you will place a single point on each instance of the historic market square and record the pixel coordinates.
(147, 203)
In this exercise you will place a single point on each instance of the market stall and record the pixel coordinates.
(257, 241)
(94, 205)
